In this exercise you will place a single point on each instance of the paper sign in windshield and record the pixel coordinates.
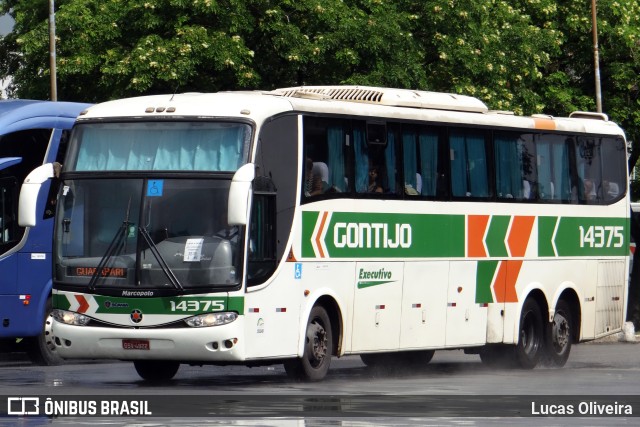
(193, 250)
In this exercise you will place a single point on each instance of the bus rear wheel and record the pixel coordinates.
(530, 341)
(41, 349)
(318, 347)
(156, 370)
(558, 336)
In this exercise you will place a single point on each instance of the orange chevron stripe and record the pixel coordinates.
(513, 270)
(519, 235)
(504, 285)
(476, 227)
(498, 284)
(318, 241)
(84, 305)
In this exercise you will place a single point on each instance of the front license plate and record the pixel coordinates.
(135, 344)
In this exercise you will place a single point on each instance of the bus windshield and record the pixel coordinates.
(154, 146)
(159, 223)
(151, 233)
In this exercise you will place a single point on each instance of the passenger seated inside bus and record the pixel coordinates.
(589, 189)
(312, 178)
(610, 190)
(374, 185)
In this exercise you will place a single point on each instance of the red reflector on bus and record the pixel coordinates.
(281, 310)
(254, 310)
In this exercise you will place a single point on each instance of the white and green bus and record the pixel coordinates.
(300, 224)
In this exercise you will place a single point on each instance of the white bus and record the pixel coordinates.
(301, 224)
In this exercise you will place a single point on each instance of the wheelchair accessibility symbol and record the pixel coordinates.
(297, 271)
(155, 187)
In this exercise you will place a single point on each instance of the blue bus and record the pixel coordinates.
(31, 133)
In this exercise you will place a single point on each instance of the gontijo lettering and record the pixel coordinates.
(368, 235)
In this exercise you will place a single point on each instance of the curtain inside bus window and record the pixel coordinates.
(509, 176)
(390, 160)
(561, 172)
(428, 162)
(468, 164)
(409, 162)
(335, 138)
(546, 187)
(553, 168)
(459, 184)
(162, 146)
(362, 159)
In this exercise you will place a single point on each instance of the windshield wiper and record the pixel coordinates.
(113, 246)
(115, 242)
(163, 264)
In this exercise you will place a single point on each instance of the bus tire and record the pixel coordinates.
(156, 370)
(529, 348)
(558, 336)
(318, 347)
(41, 349)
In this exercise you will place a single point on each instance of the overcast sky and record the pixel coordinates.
(6, 23)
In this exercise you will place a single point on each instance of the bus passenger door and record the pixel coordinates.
(466, 318)
(377, 311)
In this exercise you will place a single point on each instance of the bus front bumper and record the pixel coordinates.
(207, 345)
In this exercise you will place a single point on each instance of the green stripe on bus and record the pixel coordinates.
(169, 305)
(484, 277)
(546, 225)
(60, 301)
(368, 284)
(386, 235)
(495, 239)
(309, 220)
(583, 236)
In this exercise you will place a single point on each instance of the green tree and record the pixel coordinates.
(116, 48)
(490, 49)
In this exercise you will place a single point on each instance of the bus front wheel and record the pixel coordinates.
(529, 347)
(318, 347)
(41, 349)
(156, 370)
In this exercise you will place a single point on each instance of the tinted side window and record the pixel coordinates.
(30, 147)
(276, 160)
(469, 163)
(515, 166)
(325, 164)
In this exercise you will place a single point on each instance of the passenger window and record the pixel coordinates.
(468, 155)
(421, 162)
(515, 171)
(326, 147)
(589, 183)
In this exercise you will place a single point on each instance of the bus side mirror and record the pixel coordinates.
(29, 192)
(239, 195)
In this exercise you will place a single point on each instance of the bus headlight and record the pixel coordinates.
(211, 319)
(70, 318)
